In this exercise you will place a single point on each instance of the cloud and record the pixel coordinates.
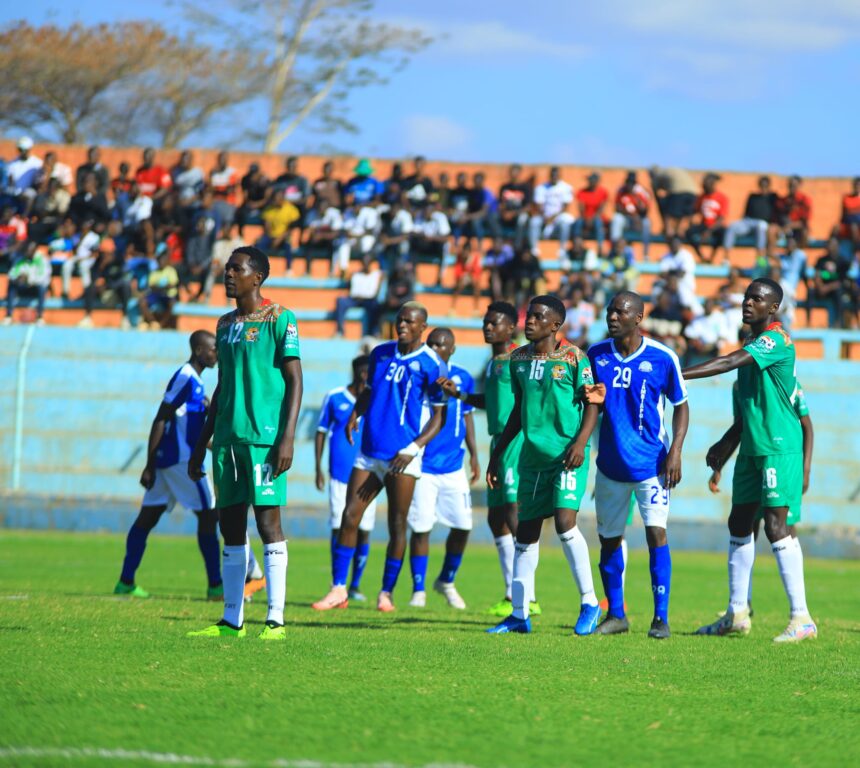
(435, 135)
(594, 150)
(488, 38)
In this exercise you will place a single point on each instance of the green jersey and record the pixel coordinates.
(767, 391)
(801, 408)
(251, 388)
(498, 395)
(551, 388)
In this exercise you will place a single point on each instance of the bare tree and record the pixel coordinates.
(316, 51)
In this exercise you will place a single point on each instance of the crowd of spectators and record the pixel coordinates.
(161, 232)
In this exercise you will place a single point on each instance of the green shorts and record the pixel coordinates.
(509, 473)
(244, 474)
(770, 481)
(543, 491)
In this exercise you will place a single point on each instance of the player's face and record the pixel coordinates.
(541, 322)
(239, 276)
(207, 352)
(621, 318)
(758, 304)
(441, 344)
(361, 376)
(497, 327)
(410, 326)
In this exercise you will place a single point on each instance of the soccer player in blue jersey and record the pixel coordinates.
(442, 492)
(635, 375)
(402, 406)
(172, 437)
(334, 415)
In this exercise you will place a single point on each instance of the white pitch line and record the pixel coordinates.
(169, 758)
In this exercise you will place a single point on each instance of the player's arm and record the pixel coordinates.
(470, 398)
(511, 430)
(319, 445)
(808, 440)
(431, 429)
(358, 411)
(472, 447)
(166, 412)
(718, 365)
(195, 462)
(291, 369)
(574, 456)
(672, 465)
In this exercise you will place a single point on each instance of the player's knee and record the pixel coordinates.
(775, 527)
(608, 544)
(148, 517)
(656, 537)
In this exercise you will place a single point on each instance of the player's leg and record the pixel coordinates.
(336, 505)
(135, 545)
(254, 577)
(503, 536)
(363, 487)
(420, 520)
(210, 550)
(419, 554)
(612, 500)
(567, 498)
(653, 501)
(362, 551)
(454, 509)
(275, 559)
(399, 489)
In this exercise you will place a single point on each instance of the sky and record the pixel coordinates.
(724, 85)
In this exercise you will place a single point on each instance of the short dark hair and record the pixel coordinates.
(360, 362)
(445, 333)
(774, 287)
(553, 302)
(198, 337)
(634, 298)
(505, 308)
(256, 258)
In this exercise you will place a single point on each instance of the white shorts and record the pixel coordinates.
(442, 498)
(612, 503)
(173, 486)
(380, 467)
(337, 503)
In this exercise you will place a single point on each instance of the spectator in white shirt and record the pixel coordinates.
(29, 278)
(323, 231)
(683, 263)
(579, 318)
(23, 174)
(792, 268)
(83, 258)
(395, 234)
(551, 220)
(432, 233)
(54, 169)
(137, 222)
(361, 228)
(706, 333)
(363, 292)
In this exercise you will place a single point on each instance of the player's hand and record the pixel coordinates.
(147, 477)
(493, 473)
(714, 482)
(474, 469)
(595, 394)
(284, 457)
(351, 426)
(672, 469)
(448, 386)
(399, 463)
(718, 454)
(195, 465)
(574, 456)
(320, 481)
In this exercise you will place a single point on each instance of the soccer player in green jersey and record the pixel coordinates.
(252, 423)
(548, 379)
(500, 324)
(769, 469)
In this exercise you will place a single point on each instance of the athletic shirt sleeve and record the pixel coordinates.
(675, 389)
(467, 385)
(287, 332)
(801, 408)
(178, 389)
(736, 403)
(435, 394)
(325, 420)
(768, 349)
(584, 377)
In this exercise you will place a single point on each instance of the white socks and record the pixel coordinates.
(523, 585)
(789, 559)
(576, 551)
(624, 557)
(505, 548)
(233, 567)
(275, 564)
(741, 559)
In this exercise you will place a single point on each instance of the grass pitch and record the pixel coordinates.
(89, 679)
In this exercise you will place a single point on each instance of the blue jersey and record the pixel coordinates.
(334, 414)
(186, 393)
(633, 439)
(363, 189)
(445, 452)
(402, 390)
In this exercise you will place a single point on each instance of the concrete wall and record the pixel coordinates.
(76, 406)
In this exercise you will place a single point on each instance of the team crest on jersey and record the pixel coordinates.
(587, 375)
(646, 367)
(457, 380)
(499, 368)
(415, 365)
(558, 372)
(252, 334)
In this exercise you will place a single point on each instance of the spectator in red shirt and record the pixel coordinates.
(631, 212)
(590, 201)
(224, 182)
(154, 180)
(792, 214)
(709, 220)
(851, 213)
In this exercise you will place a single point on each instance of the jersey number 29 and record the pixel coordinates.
(623, 376)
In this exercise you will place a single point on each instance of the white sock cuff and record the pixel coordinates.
(523, 548)
(574, 534)
(275, 548)
(783, 544)
(235, 550)
(741, 541)
(502, 541)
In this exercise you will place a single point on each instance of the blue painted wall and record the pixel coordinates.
(88, 398)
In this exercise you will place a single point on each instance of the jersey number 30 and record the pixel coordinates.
(395, 372)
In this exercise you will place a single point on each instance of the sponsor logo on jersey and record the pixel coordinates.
(603, 361)
(646, 367)
(521, 369)
(558, 372)
(269, 429)
(292, 330)
(766, 342)
(343, 406)
(569, 497)
(587, 375)
(772, 495)
(457, 380)
(268, 492)
(252, 334)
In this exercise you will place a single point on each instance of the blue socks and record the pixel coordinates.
(341, 557)
(450, 568)
(211, 552)
(418, 564)
(390, 574)
(661, 577)
(135, 544)
(359, 561)
(612, 573)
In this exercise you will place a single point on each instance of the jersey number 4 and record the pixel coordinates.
(623, 377)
